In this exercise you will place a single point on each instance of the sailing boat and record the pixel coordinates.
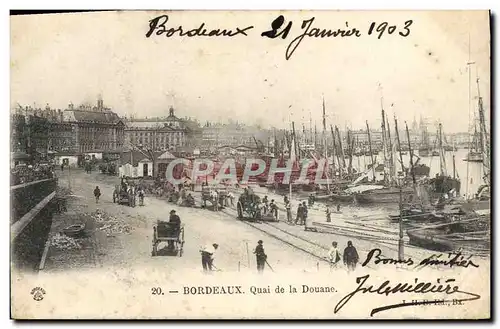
(387, 191)
(476, 153)
(443, 184)
(466, 225)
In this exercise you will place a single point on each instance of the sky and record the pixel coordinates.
(62, 58)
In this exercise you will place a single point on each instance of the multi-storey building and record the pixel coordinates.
(232, 134)
(93, 129)
(160, 134)
(18, 129)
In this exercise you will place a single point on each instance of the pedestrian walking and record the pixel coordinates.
(288, 212)
(261, 256)
(97, 194)
(141, 196)
(273, 208)
(299, 214)
(62, 166)
(304, 213)
(208, 257)
(334, 255)
(328, 214)
(351, 256)
(338, 207)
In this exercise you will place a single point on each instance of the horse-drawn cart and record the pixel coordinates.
(249, 207)
(215, 195)
(123, 196)
(170, 234)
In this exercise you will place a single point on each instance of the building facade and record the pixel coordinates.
(232, 134)
(93, 129)
(160, 134)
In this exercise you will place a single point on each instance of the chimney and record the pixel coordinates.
(100, 103)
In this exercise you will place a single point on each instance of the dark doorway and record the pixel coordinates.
(145, 170)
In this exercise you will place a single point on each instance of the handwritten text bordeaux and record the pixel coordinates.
(278, 29)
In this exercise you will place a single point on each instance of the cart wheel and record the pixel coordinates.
(240, 210)
(181, 248)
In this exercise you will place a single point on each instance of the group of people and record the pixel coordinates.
(271, 207)
(208, 257)
(350, 256)
(22, 173)
(302, 212)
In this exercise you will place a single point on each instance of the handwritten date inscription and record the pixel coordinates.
(279, 29)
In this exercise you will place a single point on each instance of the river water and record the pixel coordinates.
(464, 169)
(375, 217)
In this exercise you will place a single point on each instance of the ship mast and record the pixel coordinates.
(469, 63)
(325, 148)
(341, 147)
(334, 151)
(412, 169)
(370, 147)
(442, 161)
(384, 142)
(391, 150)
(399, 144)
(485, 147)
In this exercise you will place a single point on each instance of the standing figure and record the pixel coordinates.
(338, 207)
(97, 194)
(208, 256)
(265, 204)
(351, 256)
(62, 166)
(288, 212)
(141, 196)
(175, 226)
(304, 213)
(273, 208)
(300, 210)
(328, 214)
(333, 255)
(261, 256)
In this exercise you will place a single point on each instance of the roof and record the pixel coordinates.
(136, 156)
(166, 156)
(157, 125)
(104, 116)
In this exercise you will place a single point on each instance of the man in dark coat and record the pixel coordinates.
(351, 256)
(261, 256)
(97, 194)
(175, 226)
(304, 214)
(300, 211)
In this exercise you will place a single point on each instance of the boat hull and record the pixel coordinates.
(474, 157)
(391, 195)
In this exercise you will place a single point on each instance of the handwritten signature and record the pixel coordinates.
(387, 288)
(454, 259)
